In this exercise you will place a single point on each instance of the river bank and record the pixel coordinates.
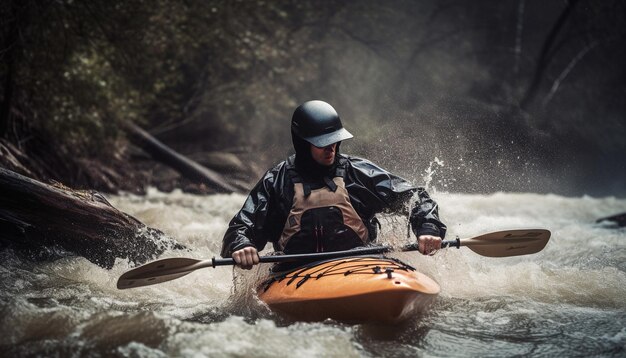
(128, 169)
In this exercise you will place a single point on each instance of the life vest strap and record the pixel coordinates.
(306, 187)
(330, 184)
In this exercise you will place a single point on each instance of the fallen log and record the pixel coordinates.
(185, 166)
(44, 221)
(220, 161)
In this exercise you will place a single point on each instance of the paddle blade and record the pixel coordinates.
(157, 272)
(509, 242)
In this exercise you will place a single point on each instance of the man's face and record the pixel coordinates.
(325, 155)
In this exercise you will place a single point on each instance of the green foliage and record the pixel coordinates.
(90, 102)
(84, 67)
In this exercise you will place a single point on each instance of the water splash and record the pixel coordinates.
(429, 173)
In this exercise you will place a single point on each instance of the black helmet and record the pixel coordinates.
(318, 123)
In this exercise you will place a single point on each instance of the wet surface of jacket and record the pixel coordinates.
(371, 190)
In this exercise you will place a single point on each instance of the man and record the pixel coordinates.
(319, 200)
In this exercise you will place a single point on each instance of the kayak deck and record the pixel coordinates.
(355, 289)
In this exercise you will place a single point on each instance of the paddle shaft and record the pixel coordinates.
(444, 244)
(496, 244)
(333, 254)
(309, 257)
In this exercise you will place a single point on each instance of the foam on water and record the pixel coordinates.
(575, 286)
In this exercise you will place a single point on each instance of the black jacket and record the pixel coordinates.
(371, 189)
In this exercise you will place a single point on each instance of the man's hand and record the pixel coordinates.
(428, 244)
(246, 257)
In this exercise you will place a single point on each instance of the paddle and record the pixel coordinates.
(495, 244)
(500, 243)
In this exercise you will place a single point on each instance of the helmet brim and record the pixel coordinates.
(327, 139)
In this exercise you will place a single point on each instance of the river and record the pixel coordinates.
(568, 300)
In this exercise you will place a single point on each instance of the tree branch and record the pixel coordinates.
(544, 59)
(567, 70)
(183, 165)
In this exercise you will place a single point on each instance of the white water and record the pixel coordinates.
(568, 300)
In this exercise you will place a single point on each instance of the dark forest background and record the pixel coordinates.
(513, 95)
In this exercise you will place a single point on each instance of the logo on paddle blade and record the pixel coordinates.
(516, 247)
(525, 235)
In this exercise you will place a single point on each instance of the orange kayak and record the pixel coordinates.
(355, 289)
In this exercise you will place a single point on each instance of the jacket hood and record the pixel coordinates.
(306, 166)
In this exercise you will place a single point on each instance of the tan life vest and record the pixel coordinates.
(322, 219)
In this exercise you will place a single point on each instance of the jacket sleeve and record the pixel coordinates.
(424, 217)
(390, 193)
(247, 227)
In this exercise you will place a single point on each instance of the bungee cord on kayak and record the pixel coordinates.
(351, 266)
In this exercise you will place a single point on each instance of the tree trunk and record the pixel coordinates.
(185, 166)
(10, 47)
(46, 221)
